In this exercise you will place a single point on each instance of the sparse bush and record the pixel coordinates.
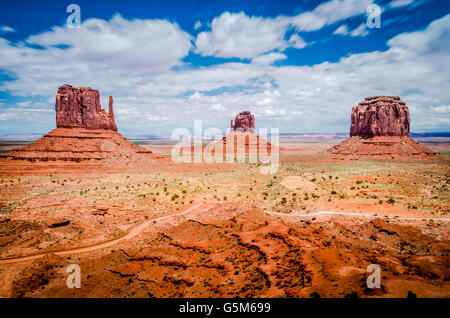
(411, 295)
(314, 294)
(352, 294)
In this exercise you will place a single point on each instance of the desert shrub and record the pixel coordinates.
(411, 295)
(352, 294)
(391, 201)
(314, 294)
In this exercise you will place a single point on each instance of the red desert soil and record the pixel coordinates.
(139, 225)
(229, 250)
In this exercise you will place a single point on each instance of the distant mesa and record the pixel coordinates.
(244, 122)
(380, 128)
(86, 136)
(242, 138)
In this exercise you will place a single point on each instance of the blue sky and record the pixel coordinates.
(297, 65)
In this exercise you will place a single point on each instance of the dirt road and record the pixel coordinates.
(131, 233)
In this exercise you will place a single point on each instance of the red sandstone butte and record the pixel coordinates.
(86, 137)
(79, 107)
(242, 138)
(380, 128)
(380, 116)
(245, 121)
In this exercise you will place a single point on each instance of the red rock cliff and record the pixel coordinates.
(79, 107)
(380, 116)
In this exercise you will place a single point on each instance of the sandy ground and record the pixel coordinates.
(226, 230)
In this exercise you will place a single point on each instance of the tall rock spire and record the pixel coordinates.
(110, 110)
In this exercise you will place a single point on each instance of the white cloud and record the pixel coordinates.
(416, 67)
(238, 35)
(5, 28)
(197, 25)
(242, 36)
(400, 3)
(361, 30)
(427, 41)
(342, 30)
(296, 41)
(108, 52)
(267, 59)
(441, 109)
(328, 13)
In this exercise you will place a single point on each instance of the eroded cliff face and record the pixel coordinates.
(380, 116)
(79, 107)
(245, 121)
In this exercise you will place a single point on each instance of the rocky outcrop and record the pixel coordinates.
(245, 121)
(86, 137)
(380, 116)
(380, 128)
(79, 107)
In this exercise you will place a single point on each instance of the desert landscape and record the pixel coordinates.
(139, 225)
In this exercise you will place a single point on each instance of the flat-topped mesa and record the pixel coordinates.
(79, 107)
(380, 116)
(380, 129)
(245, 121)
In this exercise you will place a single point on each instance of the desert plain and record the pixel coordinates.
(226, 230)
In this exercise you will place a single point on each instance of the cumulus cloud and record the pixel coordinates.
(242, 36)
(238, 35)
(361, 30)
(296, 41)
(267, 59)
(197, 25)
(99, 51)
(416, 66)
(342, 30)
(328, 13)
